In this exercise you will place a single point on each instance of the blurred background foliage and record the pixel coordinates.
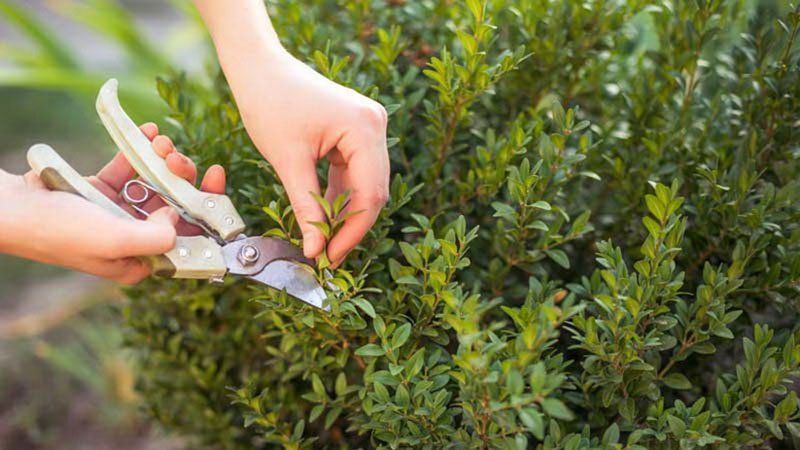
(64, 381)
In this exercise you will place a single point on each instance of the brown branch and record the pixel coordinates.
(688, 342)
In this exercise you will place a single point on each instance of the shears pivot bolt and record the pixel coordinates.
(248, 255)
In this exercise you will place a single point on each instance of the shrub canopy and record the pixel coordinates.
(593, 238)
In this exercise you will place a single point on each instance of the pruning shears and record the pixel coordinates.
(221, 250)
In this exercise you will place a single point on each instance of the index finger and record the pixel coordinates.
(367, 175)
(119, 171)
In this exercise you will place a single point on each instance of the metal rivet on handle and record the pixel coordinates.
(211, 203)
(183, 252)
(229, 220)
(207, 254)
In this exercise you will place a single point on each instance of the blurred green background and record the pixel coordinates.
(64, 381)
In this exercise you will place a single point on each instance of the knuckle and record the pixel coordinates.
(378, 197)
(168, 242)
(307, 210)
(373, 114)
(132, 273)
(383, 114)
(167, 237)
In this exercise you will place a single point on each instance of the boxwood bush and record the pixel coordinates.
(593, 238)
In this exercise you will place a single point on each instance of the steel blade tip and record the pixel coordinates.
(296, 280)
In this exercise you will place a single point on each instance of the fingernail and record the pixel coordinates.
(164, 215)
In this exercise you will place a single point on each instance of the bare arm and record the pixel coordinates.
(297, 117)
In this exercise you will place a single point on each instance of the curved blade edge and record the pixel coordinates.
(295, 280)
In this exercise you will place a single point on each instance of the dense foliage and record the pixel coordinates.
(593, 238)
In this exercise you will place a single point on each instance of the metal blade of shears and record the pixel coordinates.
(297, 281)
(277, 264)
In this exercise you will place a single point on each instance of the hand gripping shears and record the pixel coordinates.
(220, 251)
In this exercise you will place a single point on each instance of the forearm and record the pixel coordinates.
(242, 32)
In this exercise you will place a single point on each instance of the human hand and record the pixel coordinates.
(63, 229)
(296, 117)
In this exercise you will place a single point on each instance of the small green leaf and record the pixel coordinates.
(297, 434)
(655, 206)
(315, 412)
(533, 420)
(411, 254)
(676, 425)
(400, 335)
(627, 409)
(503, 210)
(340, 202)
(401, 396)
(332, 415)
(541, 204)
(324, 227)
(364, 305)
(316, 384)
(514, 382)
(677, 381)
(322, 202)
(341, 384)
(415, 363)
(611, 436)
(476, 8)
(652, 226)
(370, 350)
(559, 256)
(554, 407)
(272, 214)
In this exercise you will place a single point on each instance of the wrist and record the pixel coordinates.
(241, 31)
(255, 57)
(12, 201)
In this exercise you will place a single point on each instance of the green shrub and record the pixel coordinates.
(593, 238)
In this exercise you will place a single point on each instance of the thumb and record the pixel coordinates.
(166, 215)
(299, 177)
(153, 236)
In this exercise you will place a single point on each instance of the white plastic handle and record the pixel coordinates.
(214, 210)
(193, 256)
